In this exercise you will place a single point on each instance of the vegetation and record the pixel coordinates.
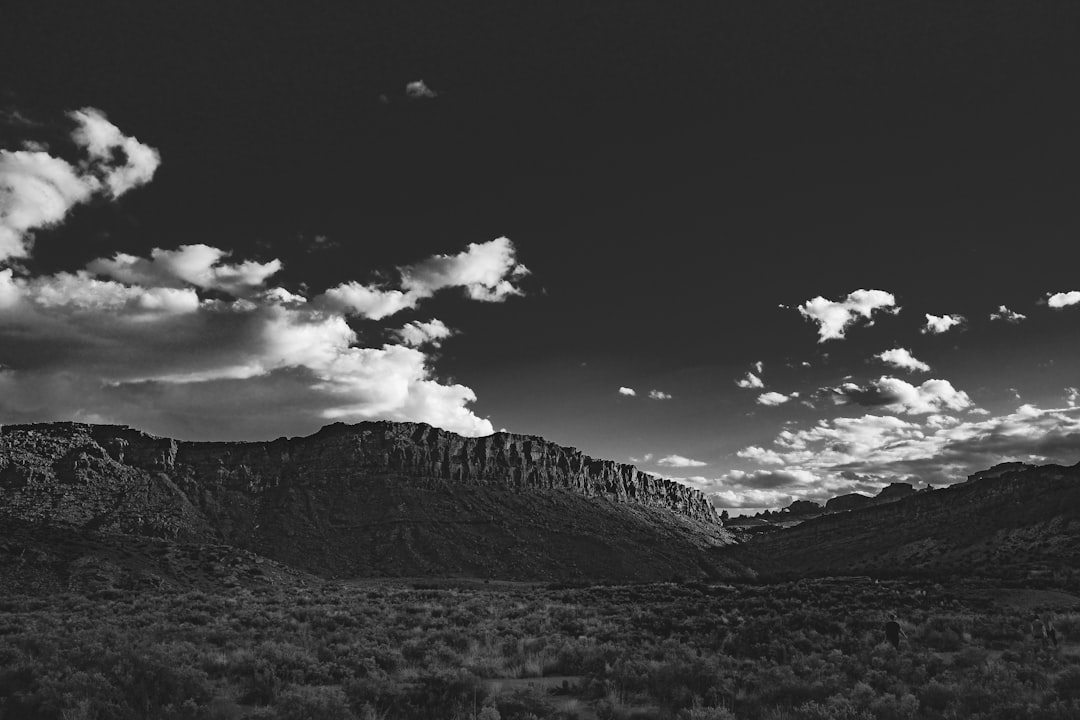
(811, 649)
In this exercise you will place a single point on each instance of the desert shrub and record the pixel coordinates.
(320, 702)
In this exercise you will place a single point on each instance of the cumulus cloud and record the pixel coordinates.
(37, 190)
(834, 318)
(1072, 396)
(862, 454)
(418, 90)
(629, 392)
(937, 324)
(1004, 313)
(416, 333)
(932, 396)
(680, 461)
(903, 359)
(774, 398)
(486, 271)
(1063, 299)
(750, 381)
(197, 265)
(659, 395)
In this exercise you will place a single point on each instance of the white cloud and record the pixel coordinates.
(1004, 313)
(937, 324)
(1072, 396)
(1064, 299)
(773, 398)
(418, 333)
(486, 271)
(37, 190)
(758, 367)
(198, 265)
(659, 395)
(73, 342)
(629, 392)
(418, 90)
(932, 396)
(750, 381)
(103, 140)
(760, 455)
(835, 318)
(902, 358)
(679, 461)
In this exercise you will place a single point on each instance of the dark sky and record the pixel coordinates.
(670, 174)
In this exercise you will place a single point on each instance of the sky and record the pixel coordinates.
(772, 250)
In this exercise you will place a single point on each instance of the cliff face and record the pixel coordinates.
(345, 487)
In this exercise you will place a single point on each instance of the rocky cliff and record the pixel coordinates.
(371, 498)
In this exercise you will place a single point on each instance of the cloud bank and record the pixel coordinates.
(195, 343)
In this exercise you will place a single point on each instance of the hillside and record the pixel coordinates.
(1017, 524)
(373, 499)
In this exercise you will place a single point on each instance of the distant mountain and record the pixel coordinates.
(373, 499)
(1016, 522)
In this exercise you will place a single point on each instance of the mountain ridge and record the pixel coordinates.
(376, 498)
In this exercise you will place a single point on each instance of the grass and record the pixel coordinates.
(807, 649)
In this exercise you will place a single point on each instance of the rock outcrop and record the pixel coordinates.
(350, 498)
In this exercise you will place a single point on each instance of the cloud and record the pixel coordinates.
(933, 396)
(197, 265)
(901, 358)
(486, 271)
(629, 392)
(659, 395)
(416, 333)
(1063, 299)
(835, 318)
(760, 455)
(138, 340)
(864, 453)
(37, 190)
(750, 381)
(1072, 396)
(937, 324)
(418, 90)
(1004, 313)
(104, 142)
(773, 398)
(679, 461)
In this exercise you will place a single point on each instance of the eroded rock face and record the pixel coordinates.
(67, 454)
(376, 498)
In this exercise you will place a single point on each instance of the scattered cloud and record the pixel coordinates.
(1072, 396)
(486, 271)
(680, 461)
(1063, 299)
(760, 455)
(937, 324)
(418, 90)
(903, 359)
(835, 318)
(933, 396)
(773, 398)
(37, 190)
(197, 265)
(758, 367)
(1004, 313)
(659, 395)
(629, 392)
(750, 381)
(416, 333)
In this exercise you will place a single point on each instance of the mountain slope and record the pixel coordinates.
(1019, 524)
(369, 499)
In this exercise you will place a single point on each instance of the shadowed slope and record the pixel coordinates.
(370, 499)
